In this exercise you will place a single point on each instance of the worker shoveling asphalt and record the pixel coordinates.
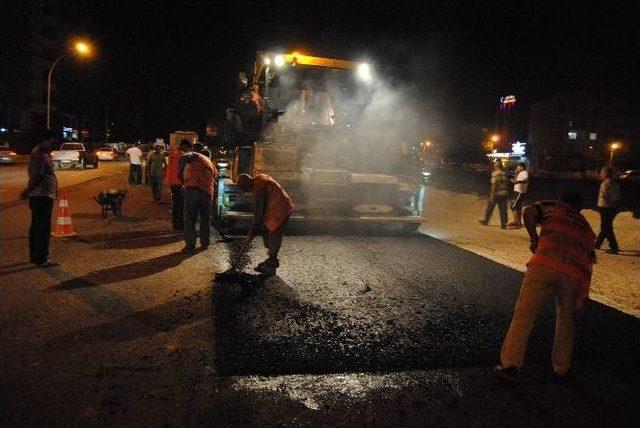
(272, 209)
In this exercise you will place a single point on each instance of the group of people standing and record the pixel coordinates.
(499, 194)
(608, 200)
(154, 171)
(192, 176)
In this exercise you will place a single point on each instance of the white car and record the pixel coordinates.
(107, 153)
(7, 156)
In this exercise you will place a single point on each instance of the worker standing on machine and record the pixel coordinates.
(273, 207)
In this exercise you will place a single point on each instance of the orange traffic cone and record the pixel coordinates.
(63, 224)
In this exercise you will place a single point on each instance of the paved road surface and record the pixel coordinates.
(356, 329)
(13, 178)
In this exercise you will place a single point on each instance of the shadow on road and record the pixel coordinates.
(16, 268)
(629, 253)
(118, 236)
(162, 318)
(87, 216)
(339, 229)
(151, 241)
(12, 265)
(128, 219)
(123, 273)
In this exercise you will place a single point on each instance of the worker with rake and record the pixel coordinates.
(272, 209)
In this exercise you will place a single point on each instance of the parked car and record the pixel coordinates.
(630, 175)
(73, 154)
(7, 156)
(107, 153)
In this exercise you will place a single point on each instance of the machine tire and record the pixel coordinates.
(95, 164)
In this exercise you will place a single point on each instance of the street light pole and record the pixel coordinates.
(611, 157)
(82, 49)
(612, 148)
(49, 89)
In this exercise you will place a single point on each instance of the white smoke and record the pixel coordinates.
(347, 124)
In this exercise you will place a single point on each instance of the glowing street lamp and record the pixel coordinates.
(495, 138)
(279, 60)
(364, 72)
(613, 147)
(80, 48)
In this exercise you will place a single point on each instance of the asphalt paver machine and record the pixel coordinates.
(294, 121)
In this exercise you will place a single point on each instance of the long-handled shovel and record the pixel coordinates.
(216, 226)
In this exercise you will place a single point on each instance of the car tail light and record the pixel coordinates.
(13, 154)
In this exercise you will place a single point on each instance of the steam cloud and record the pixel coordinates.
(362, 127)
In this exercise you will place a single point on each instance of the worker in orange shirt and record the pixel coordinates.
(563, 255)
(272, 209)
(177, 192)
(198, 176)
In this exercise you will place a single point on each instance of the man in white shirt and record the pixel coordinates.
(520, 187)
(135, 165)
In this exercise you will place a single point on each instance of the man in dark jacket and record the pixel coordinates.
(41, 190)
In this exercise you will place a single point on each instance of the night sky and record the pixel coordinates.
(163, 67)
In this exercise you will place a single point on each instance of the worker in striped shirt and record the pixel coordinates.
(563, 256)
(41, 190)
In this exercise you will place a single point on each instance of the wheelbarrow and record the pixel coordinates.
(110, 200)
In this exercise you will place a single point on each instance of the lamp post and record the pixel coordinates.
(82, 49)
(612, 148)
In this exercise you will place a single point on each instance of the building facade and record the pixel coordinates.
(574, 132)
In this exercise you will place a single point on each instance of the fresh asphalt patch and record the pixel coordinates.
(451, 311)
(387, 331)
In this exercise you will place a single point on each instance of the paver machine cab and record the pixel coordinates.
(293, 131)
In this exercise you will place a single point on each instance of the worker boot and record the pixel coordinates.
(268, 267)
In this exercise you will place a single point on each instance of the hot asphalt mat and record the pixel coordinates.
(450, 315)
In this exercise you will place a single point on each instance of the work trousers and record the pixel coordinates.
(501, 201)
(196, 202)
(135, 174)
(177, 212)
(273, 240)
(607, 214)
(156, 186)
(40, 229)
(538, 282)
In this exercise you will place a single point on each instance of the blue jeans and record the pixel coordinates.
(196, 202)
(135, 174)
